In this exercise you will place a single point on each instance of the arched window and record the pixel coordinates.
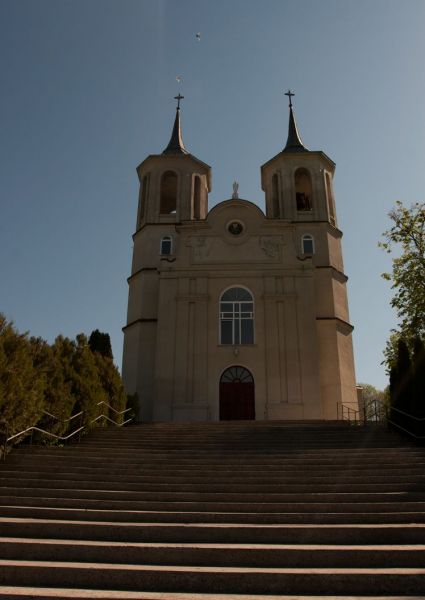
(168, 197)
(307, 244)
(303, 190)
(329, 195)
(275, 196)
(236, 317)
(197, 198)
(166, 245)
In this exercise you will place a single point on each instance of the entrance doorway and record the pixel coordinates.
(237, 395)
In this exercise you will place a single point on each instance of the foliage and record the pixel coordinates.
(86, 386)
(400, 378)
(374, 402)
(407, 386)
(44, 385)
(112, 385)
(408, 273)
(22, 385)
(133, 403)
(101, 343)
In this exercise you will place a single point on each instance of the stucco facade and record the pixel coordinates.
(289, 331)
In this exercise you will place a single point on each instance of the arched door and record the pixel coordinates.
(237, 394)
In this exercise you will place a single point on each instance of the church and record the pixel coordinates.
(234, 313)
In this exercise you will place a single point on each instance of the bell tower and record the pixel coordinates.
(298, 186)
(174, 187)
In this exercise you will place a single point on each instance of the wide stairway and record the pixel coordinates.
(213, 511)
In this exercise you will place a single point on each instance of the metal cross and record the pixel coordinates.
(289, 94)
(178, 98)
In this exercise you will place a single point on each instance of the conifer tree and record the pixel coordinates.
(401, 380)
(87, 386)
(21, 385)
(100, 342)
(418, 378)
(112, 384)
(56, 362)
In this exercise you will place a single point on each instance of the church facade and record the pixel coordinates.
(234, 313)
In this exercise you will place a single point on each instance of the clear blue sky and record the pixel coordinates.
(87, 93)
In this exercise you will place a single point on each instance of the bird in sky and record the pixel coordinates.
(198, 36)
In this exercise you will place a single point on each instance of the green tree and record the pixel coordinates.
(22, 385)
(101, 343)
(56, 362)
(112, 384)
(87, 386)
(408, 271)
(401, 379)
(418, 378)
(374, 402)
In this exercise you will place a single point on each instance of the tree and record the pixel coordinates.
(401, 378)
(112, 385)
(408, 270)
(56, 362)
(21, 383)
(418, 378)
(87, 386)
(374, 402)
(101, 343)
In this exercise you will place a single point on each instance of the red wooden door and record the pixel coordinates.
(237, 395)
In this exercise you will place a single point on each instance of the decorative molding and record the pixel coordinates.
(201, 246)
(343, 276)
(139, 321)
(345, 324)
(271, 245)
(140, 271)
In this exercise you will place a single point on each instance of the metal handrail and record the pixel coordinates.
(45, 412)
(347, 409)
(402, 412)
(79, 430)
(410, 416)
(117, 412)
(111, 420)
(35, 428)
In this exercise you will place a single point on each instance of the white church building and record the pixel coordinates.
(233, 313)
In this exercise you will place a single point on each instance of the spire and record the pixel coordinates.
(293, 143)
(175, 145)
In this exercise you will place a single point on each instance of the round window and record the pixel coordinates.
(235, 228)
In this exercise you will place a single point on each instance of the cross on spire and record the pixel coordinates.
(289, 94)
(178, 98)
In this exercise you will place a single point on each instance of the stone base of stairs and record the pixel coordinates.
(24, 593)
(216, 511)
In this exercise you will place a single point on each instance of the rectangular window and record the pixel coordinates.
(247, 336)
(226, 332)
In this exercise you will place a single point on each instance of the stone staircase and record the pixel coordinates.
(215, 510)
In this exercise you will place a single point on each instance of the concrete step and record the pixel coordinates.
(239, 508)
(235, 508)
(207, 497)
(250, 490)
(394, 514)
(226, 580)
(207, 554)
(217, 478)
(223, 533)
(27, 593)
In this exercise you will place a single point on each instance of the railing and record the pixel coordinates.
(407, 423)
(78, 431)
(346, 413)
